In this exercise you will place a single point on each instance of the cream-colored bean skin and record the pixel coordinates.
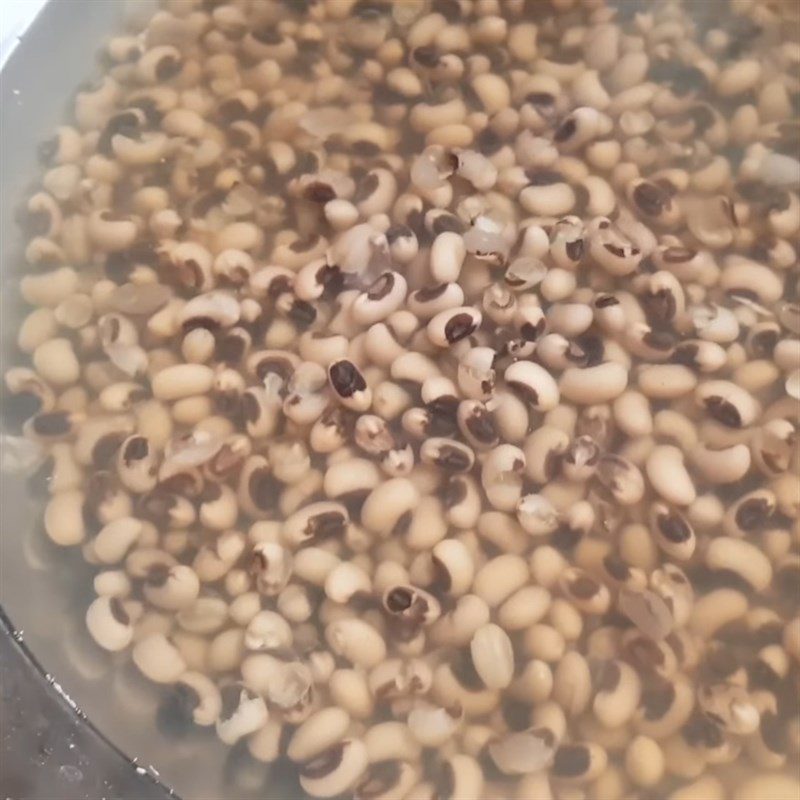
(644, 761)
(669, 476)
(592, 385)
(632, 413)
(715, 609)
(705, 788)
(741, 557)
(499, 578)
(572, 683)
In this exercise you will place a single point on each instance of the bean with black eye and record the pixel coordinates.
(384, 296)
(672, 532)
(451, 326)
(727, 403)
(448, 455)
(477, 425)
(349, 385)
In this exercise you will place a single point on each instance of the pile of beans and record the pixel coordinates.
(421, 379)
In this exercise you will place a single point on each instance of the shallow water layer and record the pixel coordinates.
(411, 392)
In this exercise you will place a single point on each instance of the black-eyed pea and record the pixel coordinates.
(501, 476)
(265, 744)
(347, 581)
(476, 375)
(543, 642)
(579, 461)
(448, 455)
(350, 691)
(511, 415)
(620, 478)
(321, 730)
(533, 683)
(544, 449)
(390, 400)
(550, 715)
(668, 475)
(115, 539)
(566, 619)
(546, 565)
(295, 603)
(205, 616)
(389, 506)
(523, 752)
(433, 726)
(730, 706)
(583, 591)
(558, 284)
(595, 384)
(644, 761)
(242, 713)
(226, 651)
(171, 588)
(381, 345)
(537, 515)
(460, 775)
(492, 656)
(112, 583)
(578, 763)
(306, 399)
(109, 623)
(267, 630)
(56, 362)
(749, 513)
(609, 313)
(384, 296)
(771, 446)
(64, 519)
(716, 609)
(313, 564)
(721, 465)
(727, 403)
(741, 557)
(193, 648)
(572, 683)
(672, 585)
(617, 692)
(525, 607)
(477, 425)
(158, 659)
(427, 526)
(356, 641)
(314, 523)
(213, 560)
(49, 289)
(200, 696)
(611, 251)
(391, 740)
(39, 326)
(386, 780)
(447, 257)
(665, 381)
(329, 432)
(452, 567)
(499, 578)
(137, 465)
(458, 625)
(452, 325)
